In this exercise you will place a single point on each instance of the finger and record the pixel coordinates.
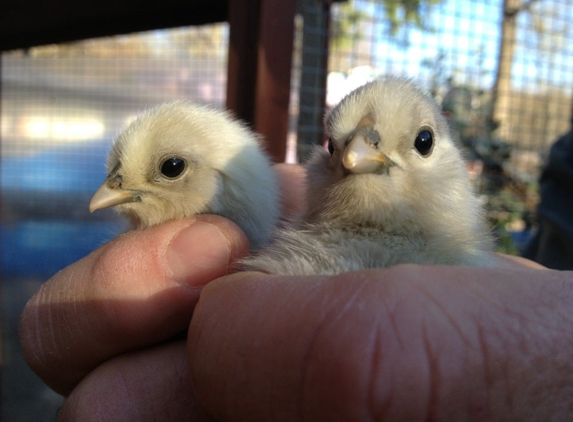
(150, 385)
(511, 261)
(291, 180)
(405, 343)
(298, 348)
(139, 289)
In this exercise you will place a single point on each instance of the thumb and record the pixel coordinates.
(136, 291)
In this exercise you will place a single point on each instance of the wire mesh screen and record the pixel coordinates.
(309, 71)
(62, 105)
(501, 70)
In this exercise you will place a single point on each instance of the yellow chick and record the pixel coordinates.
(180, 159)
(392, 189)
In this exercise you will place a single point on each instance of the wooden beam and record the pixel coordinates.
(259, 69)
(27, 23)
(274, 74)
(242, 58)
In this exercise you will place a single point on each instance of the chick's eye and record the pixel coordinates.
(424, 142)
(172, 167)
(330, 146)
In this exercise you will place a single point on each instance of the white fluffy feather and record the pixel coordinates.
(420, 209)
(226, 171)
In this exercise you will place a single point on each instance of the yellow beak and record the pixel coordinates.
(360, 156)
(107, 197)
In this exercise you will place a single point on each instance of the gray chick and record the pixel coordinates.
(180, 159)
(392, 189)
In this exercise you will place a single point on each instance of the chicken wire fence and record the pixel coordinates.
(62, 105)
(502, 70)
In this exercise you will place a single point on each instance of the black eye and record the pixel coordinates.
(424, 142)
(172, 167)
(330, 146)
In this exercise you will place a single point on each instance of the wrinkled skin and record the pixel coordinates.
(405, 343)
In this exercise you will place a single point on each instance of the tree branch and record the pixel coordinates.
(510, 11)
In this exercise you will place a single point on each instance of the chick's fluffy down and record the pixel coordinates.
(223, 170)
(393, 190)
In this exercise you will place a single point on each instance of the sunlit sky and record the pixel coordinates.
(467, 36)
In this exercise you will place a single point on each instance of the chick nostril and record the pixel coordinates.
(373, 137)
(114, 182)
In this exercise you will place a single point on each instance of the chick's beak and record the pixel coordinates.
(107, 196)
(361, 155)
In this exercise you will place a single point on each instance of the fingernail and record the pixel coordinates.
(199, 254)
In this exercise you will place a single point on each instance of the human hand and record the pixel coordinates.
(120, 308)
(421, 342)
(405, 343)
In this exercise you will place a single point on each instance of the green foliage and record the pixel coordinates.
(402, 12)
(509, 207)
(346, 24)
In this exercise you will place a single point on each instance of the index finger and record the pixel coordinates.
(400, 343)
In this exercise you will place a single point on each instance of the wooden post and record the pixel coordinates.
(259, 69)
(242, 57)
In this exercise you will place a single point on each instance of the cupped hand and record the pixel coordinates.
(105, 323)
(129, 296)
(405, 343)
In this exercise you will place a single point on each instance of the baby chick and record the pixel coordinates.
(180, 159)
(392, 189)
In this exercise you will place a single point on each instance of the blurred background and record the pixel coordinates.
(502, 70)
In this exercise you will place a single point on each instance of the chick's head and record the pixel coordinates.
(391, 163)
(174, 161)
